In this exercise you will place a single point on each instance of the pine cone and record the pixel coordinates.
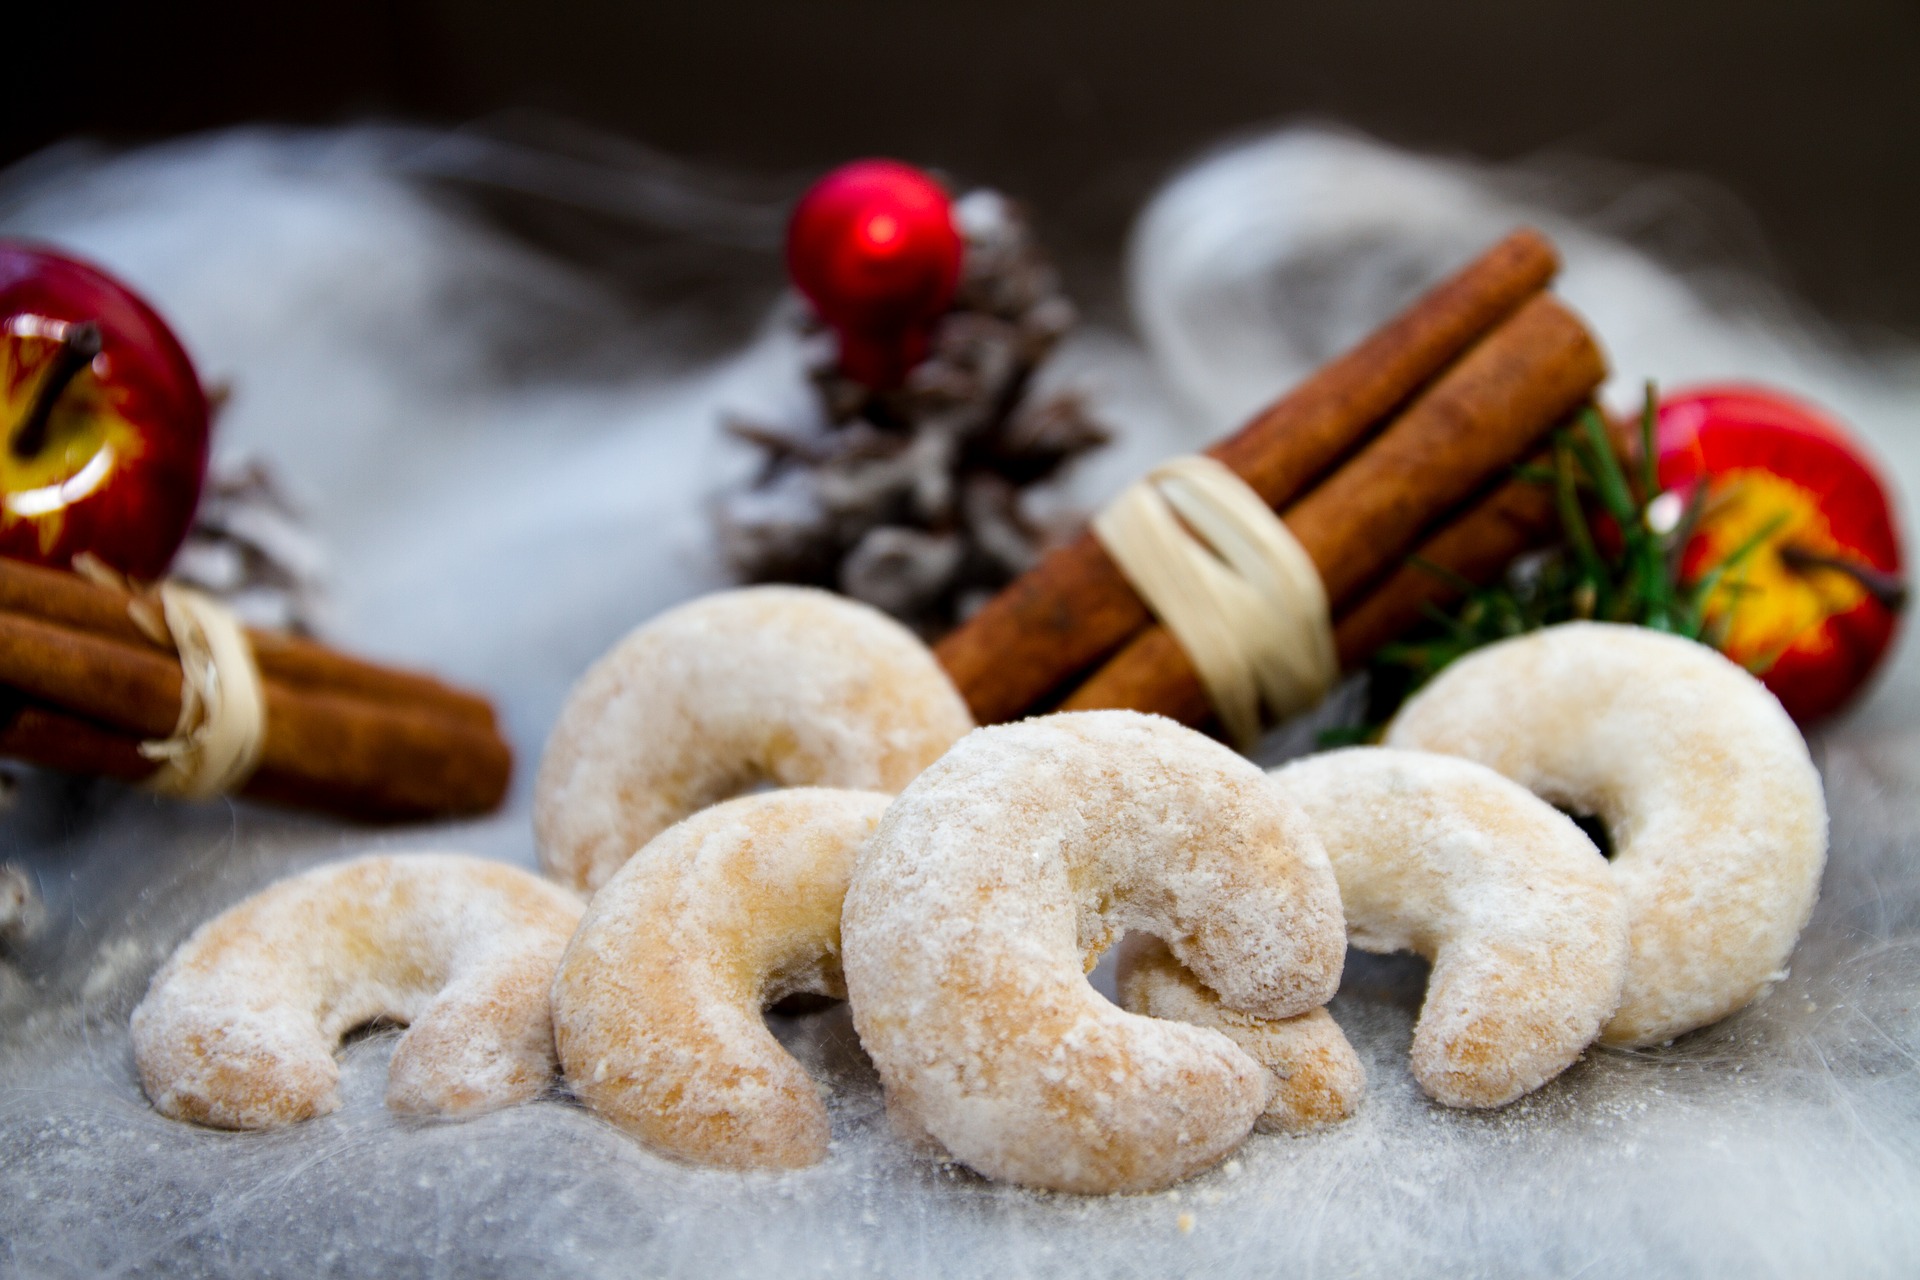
(250, 546)
(912, 499)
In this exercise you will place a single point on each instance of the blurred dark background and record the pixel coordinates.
(1808, 114)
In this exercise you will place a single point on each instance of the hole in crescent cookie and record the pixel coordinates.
(379, 1025)
(1396, 977)
(1104, 976)
(1594, 828)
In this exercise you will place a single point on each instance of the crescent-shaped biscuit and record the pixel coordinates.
(1714, 807)
(1513, 906)
(239, 1028)
(1317, 1077)
(768, 684)
(1003, 870)
(657, 1005)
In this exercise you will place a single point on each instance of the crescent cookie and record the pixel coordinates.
(996, 878)
(1715, 809)
(657, 1005)
(1512, 904)
(239, 1028)
(768, 684)
(1317, 1077)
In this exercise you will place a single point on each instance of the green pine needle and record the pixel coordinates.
(1636, 579)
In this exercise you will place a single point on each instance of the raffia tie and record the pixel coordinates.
(1224, 574)
(216, 743)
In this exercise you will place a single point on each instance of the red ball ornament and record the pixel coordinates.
(1812, 604)
(873, 247)
(103, 425)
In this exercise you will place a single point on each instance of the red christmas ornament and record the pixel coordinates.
(873, 247)
(1812, 606)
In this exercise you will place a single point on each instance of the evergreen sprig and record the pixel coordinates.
(1620, 558)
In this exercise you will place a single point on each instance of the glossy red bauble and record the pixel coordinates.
(873, 247)
(1812, 607)
(103, 424)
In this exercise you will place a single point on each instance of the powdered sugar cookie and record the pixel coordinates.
(657, 1005)
(768, 684)
(1512, 904)
(1317, 1077)
(239, 1028)
(1716, 813)
(1002, 871)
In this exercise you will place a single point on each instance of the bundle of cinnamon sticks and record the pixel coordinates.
(82, 685)
(1393, 466)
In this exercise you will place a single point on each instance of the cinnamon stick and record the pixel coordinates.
(57, 596)
(1514, 518)
(1478, 418)
(337, 751)
(302, 664)
(1476, 548)
(379, 760)
(132, 688)
(56, 739)
(1075, 607)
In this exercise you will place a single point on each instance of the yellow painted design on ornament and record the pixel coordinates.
(1767, 607)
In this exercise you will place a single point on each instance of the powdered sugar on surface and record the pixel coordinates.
(504, 523)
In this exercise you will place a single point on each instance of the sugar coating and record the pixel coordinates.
(1716, 813)
(657, 1004)
(239, 1028)
(1001, 873)
(1509, 900)
(767, 684)
(1317, 1077)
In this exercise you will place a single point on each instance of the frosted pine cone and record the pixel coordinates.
(912, 500)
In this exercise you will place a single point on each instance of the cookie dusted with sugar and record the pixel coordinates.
(1000, 874)
(1317, 1077)
(657, 1005)
(238, 1030)
(783, 685)
(1714, 807)
(1512, 904)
